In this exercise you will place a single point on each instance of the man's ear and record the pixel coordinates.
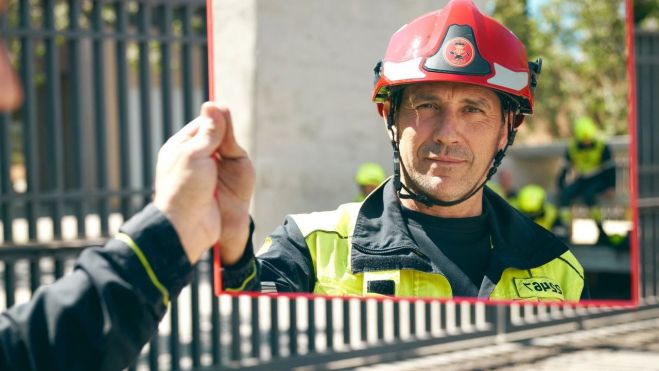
(386, 106)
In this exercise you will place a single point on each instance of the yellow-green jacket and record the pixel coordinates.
(366, 249)
(586, 161)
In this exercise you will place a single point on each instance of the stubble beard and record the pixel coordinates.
(432, 186)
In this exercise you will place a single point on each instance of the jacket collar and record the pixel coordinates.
(381, 239)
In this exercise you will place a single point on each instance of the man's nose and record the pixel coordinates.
(11, 94)
(447, 127)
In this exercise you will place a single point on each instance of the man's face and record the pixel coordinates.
(449, 134)
(10, 88)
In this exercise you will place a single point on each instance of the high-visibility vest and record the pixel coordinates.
(585, 161)
(328, 237)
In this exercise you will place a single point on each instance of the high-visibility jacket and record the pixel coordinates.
(586, 161)
(366, 249)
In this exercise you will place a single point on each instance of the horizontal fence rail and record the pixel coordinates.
(205, 332)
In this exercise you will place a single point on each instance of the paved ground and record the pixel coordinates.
(633, 346)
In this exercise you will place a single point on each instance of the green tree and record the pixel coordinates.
(582, 44)
(644, 11)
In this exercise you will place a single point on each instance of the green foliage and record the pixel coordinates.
(646, 12)
(582, 44)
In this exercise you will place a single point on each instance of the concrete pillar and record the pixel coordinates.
(298, 75)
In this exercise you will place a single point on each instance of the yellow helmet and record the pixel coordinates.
(531, 199)
(370, 173)
(585, 129)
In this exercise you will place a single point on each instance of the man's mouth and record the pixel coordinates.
(446, 160)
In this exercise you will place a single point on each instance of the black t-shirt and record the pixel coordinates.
(460, 247)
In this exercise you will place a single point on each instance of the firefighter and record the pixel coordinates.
(591, 161)
(368, 177)
(453, 88)
(532, 201)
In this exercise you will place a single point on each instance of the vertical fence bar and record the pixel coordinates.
(274, 327)
(256, 328)
(292, 327)
(646, 171)
(428, 319)
(648, 117)
(59, 267)
(396, 321)
(235, 328)
(380, 320)
(311, 328)
(76, 133)
(459, 323)
(443, 316)
(122, 106)
(346, 320)
(215, 315)
(35, 274)
(10, 283)
(154, 351)
(100, 124)
(174, 337)
(412, 309)
(143, 25)
(187, 65)
(204, 59)
(363, 320)
(30, 144)
(6, 189)
(166, 69)
(195, 346)
(329, 324)
(54, 119)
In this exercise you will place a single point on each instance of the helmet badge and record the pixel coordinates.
(458, 52)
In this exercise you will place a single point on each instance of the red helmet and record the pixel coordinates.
(457, 44)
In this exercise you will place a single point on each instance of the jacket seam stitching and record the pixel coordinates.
(571, 266)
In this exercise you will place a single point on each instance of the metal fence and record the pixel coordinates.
(106, 75)
(106, 82)
(647, 91)
(204, 332)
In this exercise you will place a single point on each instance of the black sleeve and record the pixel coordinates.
(100, 316)
(608, 176)
(562, 173)
(285, 265)
(606, 154)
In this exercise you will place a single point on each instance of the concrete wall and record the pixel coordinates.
(298, 76)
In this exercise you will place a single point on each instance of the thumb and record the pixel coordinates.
(212, 127)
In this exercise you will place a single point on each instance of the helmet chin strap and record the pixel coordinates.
(426, 199)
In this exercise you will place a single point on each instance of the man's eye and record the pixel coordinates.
(425, 106)
(473, 110)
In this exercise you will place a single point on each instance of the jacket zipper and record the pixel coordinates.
(390, 250)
